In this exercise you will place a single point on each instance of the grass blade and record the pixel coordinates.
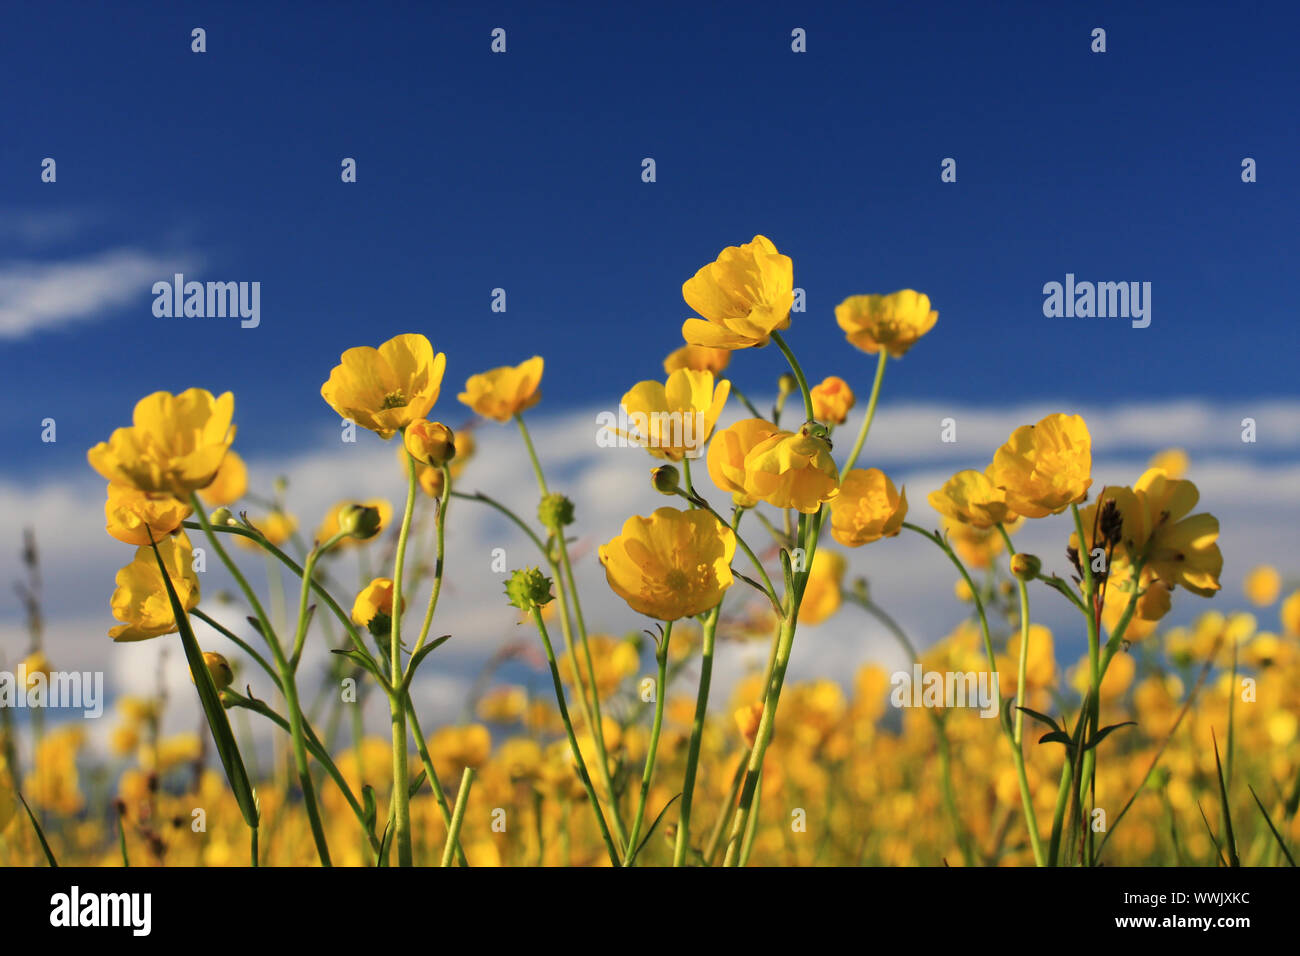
(1228, 836)
(1277, 836)
(40, 834)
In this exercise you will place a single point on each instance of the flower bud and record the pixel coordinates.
(747, 721)
(430, 443)
(786, 384)
(359, 521)
(219, 668)
(555, 511)
(963, 591)
(1025, 566)
(528, 589)
(221, 517)
(665, 479)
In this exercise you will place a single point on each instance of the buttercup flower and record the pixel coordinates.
(501, 393)
(671, 565)
(891, 322)
(131, 515)
(868, 508)
(1289, 614)
(430, 443)
(1046, 467)
(387, 388)
(674, 420)
(1152, 605)
(230, 483)
(175, 443)
(1172, 461)
(141, 602)
(727, 453)
(697, 358)
(792, 470)
(1262, 585)
(373, 607)
(823, 593)
(969, 497)
(744, 296)
(1180, 550)
(832, 400)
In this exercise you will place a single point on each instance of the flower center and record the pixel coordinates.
(676, 580)
(395, 399)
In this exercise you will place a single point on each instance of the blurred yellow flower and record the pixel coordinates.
(1262, 585)
(175, 444)
(503, 705)
(277, 527)
(977, 547)
(230, 483)
(822, 595)
(747, 721)
(1152, 604)
(671, 565)
(455, 748)
(969, 497)
(613, 662)
(893, 322)
(1172, 461)
(131, 516)
(744, 296)
(140, 601)
(792, 470)
(674, 420)
(698, 358)
(501, 393)
(727, 453)
(429, 443)
(1046, 467)
(387, 388)
(832, 400)
(868, 508)
(1289, 614)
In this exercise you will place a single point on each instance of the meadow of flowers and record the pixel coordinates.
(1174, 746)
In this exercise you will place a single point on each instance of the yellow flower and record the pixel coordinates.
(1040, 661)
(675, 420)
(977, 547)
(747, 721)
(613, 662)
(387, 388)
(430, 443)
(792, 470)
(1262, 585)
(1044, 468)
(727, 453)
(330, 526)
(893, 322)
(140, 601)
(869, 507)
(501, 393)
(1152, 605)
(744, 296)
(671, 565)
(277, 527)
(969, 497)
(503, 705)
(822, 594)
(230, 483)
(219, 668)
(832, 400)
(132, 515)
(8, 803)
(455, 748)
(1172, 461)
(432, 482)
(1290, 614)
(1180, 550)
(697, 358)
(175, 443)
(373, 601)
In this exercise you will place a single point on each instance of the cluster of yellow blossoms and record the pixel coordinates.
(622, 768)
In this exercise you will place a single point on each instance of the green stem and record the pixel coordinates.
(661, 691)
(396, 706)
(871, 414)
(422, 748)
(697, 735)
(798, 375)
(458, 817)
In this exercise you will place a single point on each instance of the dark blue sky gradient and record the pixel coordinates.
(523, 171)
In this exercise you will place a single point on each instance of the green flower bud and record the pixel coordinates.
(359, 521)
(786, 384)
(555, 512)
(221, 517)
(1025, 566)
(528, 589)
(665, 478)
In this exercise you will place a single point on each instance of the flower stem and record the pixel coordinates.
(396, 705)
(871, 414)
(458, 817)
(798, 374)
(661, 691)
(697, 735)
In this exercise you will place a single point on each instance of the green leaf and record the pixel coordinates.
(1277, 836)
(370, 812)
(1229, 838)
(419, 782)
(40, 834)
(1043, 718)
(650, 831)
(1214, 839)
(1105, 732)
(1056, 736)
(224, 738)
(424, 652)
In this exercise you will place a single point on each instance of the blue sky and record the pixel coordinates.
(522, 171)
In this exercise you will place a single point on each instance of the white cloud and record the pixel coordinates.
(41, 296)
